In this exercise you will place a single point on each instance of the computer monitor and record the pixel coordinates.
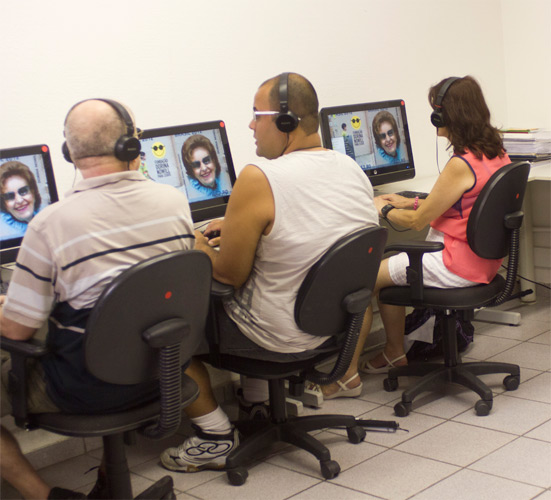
(27, 186)
(375, 134)
(194, 158)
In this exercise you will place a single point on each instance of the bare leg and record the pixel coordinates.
(17, 470)
(205, 403)
(353, 368)
(383, 280)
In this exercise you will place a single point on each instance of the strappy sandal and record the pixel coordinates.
(367, 367)
(343, 391)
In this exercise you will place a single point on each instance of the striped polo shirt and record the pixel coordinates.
(71, 251)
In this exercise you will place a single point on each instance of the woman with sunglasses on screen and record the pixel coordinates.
(387, 138)
(20, 198)
(202, 165)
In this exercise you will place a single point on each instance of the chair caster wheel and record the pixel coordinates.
(402, 409)
(483, 408)
(330, 469)
(511, 382)
(237, 476)
(390, 384)
(356, 434)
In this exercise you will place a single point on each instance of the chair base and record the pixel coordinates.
(465, 374)
(260, 435)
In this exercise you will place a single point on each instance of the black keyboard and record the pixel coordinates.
(413, 194)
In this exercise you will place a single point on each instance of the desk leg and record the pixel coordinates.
(526, 257)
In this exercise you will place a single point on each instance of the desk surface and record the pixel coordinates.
(539, 171)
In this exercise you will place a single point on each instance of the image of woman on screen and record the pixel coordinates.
(202, 166)
(387, 138)
(20, 198)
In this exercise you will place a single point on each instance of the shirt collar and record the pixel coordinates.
(101, 180)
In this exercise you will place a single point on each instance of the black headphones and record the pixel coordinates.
(286, 120)
(127, 147)
(437, 117)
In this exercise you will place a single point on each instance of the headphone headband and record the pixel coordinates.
(437, 117)
(286, 120)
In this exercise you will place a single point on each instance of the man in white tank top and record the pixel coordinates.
(286, 209)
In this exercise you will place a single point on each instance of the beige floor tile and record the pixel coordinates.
(344, 452)
(528, 329)
(456, 443)
(527, 355)
(265, 481)
(395, 475)
(183, 481)
(485, 347)
(469, 485)
(542, 432)
(525, 460)
(544, 338)
(329, 491)
(537, 388)
(511, 415)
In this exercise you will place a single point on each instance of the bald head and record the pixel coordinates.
(92, 128)
(302, 97)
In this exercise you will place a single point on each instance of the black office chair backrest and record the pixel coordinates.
(497, 211)
(169, 289)
(349, 265)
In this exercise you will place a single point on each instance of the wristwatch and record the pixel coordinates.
(386, 209)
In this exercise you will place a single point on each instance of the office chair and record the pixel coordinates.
(330, 302)
(146, 325)
(493, 231)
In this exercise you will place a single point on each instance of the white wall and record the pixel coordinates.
(177, 61)
(527, 43)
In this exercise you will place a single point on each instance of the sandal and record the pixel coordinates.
(367, 367)
(343, 391)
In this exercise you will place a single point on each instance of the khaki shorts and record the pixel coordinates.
(38, 400)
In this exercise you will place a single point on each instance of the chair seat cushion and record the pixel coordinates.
(110, 423)
(452, 298)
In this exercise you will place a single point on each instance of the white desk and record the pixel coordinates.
(540, 172)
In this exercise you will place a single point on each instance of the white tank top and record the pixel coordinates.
(319, 197)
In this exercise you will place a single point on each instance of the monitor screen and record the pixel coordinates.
(27, 184)
(194, 158)
(375, 134)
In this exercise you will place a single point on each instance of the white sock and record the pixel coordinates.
(255, 390)
(215, 422)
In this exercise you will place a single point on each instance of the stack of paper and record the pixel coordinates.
(533, 144)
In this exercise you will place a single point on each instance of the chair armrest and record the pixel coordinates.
(20, 351)
(414, 272)
(220, 290)
(415, 246)
(32, 348)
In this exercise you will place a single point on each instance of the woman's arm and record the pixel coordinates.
(456, 178)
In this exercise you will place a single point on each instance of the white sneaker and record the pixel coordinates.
(199, 452)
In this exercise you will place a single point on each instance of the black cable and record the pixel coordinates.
(543, 285)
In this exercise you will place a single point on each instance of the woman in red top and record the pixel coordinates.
(463, 117)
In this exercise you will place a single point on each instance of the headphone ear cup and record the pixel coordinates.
(287, 122)
(65, 151)
(127, 148)
(437, 119)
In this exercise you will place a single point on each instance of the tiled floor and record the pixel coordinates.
(444, 451)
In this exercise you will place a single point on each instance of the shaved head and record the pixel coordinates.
(92, 128)
(303, 100)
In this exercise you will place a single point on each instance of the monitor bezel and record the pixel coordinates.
(387, 173)
(9, 248)
(205, 209)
